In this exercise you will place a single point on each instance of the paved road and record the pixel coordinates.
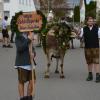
(74, 87)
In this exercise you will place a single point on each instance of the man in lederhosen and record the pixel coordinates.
(91, 39)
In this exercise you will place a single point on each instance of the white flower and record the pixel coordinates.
(64, 44)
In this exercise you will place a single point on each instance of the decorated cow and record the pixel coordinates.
(55, 41)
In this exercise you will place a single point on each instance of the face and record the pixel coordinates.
(90, 22)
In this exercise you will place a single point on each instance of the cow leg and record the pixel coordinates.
(47, 73)
(57, 62)
(62, 72)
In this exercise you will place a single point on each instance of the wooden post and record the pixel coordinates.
(32, 64)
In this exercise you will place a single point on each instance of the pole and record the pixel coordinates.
(32, 64)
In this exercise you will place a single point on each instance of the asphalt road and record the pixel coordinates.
(73, 87)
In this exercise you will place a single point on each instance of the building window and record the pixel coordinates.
(7, 1)
(7, 13)
(19, 1)
(22, 2)
(26, 2)
(29, 2)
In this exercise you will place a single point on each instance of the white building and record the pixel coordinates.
(98, 5)
(13, 6)
(82, 11)
(1, 8)
(98, 9)
(37, 4)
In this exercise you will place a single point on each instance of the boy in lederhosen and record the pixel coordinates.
(24, 67)
(91, 39)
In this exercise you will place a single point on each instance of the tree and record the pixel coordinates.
(77, 14)
(58, 6)
(43, 5)
(91, 9)
(98, 18)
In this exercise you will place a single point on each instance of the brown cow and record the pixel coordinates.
(54, 50)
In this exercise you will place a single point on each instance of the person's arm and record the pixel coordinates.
(21, 45)
(33, 49)
(4, 25)
(81, 33)
(99, 32)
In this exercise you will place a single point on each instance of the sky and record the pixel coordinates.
(75, 1)
(78, 1)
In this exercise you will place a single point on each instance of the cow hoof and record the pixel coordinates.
(46, 76)
(62, 76)
(56, 72)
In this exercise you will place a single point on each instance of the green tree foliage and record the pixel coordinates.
(91, 9)
(77, 14)
(55, 5)
(98, 18)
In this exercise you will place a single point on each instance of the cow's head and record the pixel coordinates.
(54, 30)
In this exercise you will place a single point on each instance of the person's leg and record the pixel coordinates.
(12, 36)
(21, 82)
(97, 70)
(21, 89)
(96, 63)
(8, 42)
(3, 42)
(30, 88)
(90, 74)
(31, 84)
(5, 36)
(3, 39)
(7, 39)
(81, 43)
(90, 65)
(5, 33)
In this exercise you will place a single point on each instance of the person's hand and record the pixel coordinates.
(30, 36)
(33, 55)
(78, 37)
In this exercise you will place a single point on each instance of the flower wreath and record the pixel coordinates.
(14, 26)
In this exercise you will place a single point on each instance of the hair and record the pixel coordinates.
(6, 17)
(89, 17)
